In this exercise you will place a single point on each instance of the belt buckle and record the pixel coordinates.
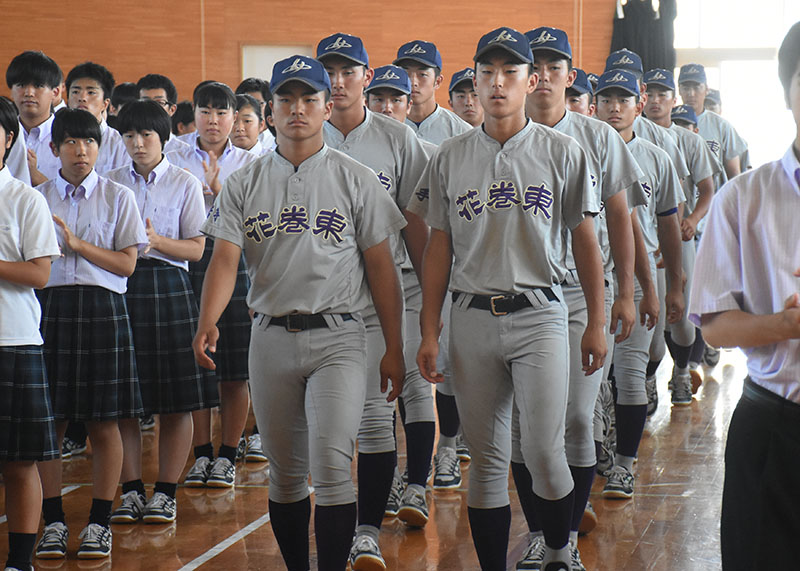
(492, 307)
(296, 322)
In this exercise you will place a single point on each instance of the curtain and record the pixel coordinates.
(646, 27)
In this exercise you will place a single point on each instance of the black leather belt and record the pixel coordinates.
(504, 304)
(295, 322)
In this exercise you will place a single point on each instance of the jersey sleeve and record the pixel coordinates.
(702, 162)
(670, 192)
(431, 197)
(414, 160)
(38, 233)
(621, 171)
(578, 198)
(376, 215)
(675, 155)
(733, 145)
(225, 218)
(193, 210)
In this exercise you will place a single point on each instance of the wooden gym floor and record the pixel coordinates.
(671, 523)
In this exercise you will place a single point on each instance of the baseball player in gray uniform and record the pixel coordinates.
(698, 189)
(311, 251)
(616, 177)
(498, 216)
(618, 103)
(396, 156)
(463, 98)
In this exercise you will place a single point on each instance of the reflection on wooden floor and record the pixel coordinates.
(671, 523)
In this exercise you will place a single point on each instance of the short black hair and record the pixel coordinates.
(157, 81)
(9, 122)
(788, 57)
(124, 93)
(243, 100)
(184, 115)
(77, 123)
(572, 92)
(31, 67)
(145, 115)
(253, 84)
(201, 85)
(216, 96)
(94, 71)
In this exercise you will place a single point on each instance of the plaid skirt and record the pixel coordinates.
(27, 428)
(234, 323)
(88, 352)
(164, 314)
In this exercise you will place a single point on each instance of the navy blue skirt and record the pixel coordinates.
(163, 313)
(88, 352)
(234, 323)
(27, 427)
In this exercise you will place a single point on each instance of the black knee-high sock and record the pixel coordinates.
(490, 535)
(20, 550)
(401, 406)
(375, 473)
(555, 516)
(419, 447)
(652, 367)
(582, 478)
(53, 510)
(524, 485)
(681, 356)
(334, 527)
(698, 347)
(630, 424)
(670, 344)
(448, 414)
(290, 526)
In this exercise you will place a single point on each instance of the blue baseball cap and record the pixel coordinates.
(507, 39)
(714, 95)
(419, 51)
(300, 68)
(627, 60)
(344, 45)
(618, 78)
(659, 76)
(684, 113)
(392, 77)
(581, 83)
(692, 72)
(466, 74)
(553, 39)
(593, 79)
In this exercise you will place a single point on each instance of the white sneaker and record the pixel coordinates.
(53, 543)
(534, 555)
(197, 475)
(413, 507)
(447, 469)
(365, 555)
(254, 452)
(222, 474)
(131, 508)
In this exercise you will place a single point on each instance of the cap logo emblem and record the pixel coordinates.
(624, 60)
(339, 44)
(659, 75)
(503, 36)
(692, 70)
(297, 65)
(389, 75)
(415, 49)
(468, 73)
(618, 78)
(544, 37)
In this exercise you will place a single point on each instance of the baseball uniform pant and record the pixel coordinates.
(417, 392)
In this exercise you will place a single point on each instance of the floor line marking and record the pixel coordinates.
(223, 545)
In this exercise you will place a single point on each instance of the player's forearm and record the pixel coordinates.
(190, 249)
(705, 189)
(589, 264)
(620, 238)
(736, 328)
(733, 167)
(642, 263)
(386, 293)
(122, 262)
(33, 273)
(218, 283)
(436, 265)
(415, 235)
(37, 177)
(669, 239)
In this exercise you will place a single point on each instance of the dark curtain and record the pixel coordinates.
(647, 32)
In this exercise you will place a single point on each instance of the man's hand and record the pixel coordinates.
(649, 308)
(593, 349)
(205, 338)
(426, 360)
(393, 367)
(624, 312)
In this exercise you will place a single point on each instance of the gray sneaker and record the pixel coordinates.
(395, 495)
(447, 469)
(365, 555)
(253, 451)
(461, 449)
(575, 559)
(534, 555)
(131, 508)
(53, 543)
(197, 475)
(682, 390)
(96, 542)
(620, 484)
(652, 394)
(160, 509)
(413, 507)
(222, 474)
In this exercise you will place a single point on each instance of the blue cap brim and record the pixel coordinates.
(500, 46)
(622, 87)
(316, 86)
(321, 57)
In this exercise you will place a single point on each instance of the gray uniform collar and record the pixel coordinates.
(309, 163)
(512, 142)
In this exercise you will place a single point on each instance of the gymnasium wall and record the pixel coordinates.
(202, 39)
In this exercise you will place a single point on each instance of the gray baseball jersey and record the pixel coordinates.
(392, 151)
(505, 212)
(326, 211)
(439, 125)
(662, 186)
(722, 139)
(612, 167)
(700, 160)
(656, 134)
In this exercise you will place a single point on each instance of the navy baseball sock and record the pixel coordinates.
(133, 485)
(419, 447)
(206, 450)
(168, 488)
(401, 406)
(670, 343)
(100, 512)
(489, 529)
(698, 347)
(53, 510)
(334, 526)
(20, 550)
(524, 485)
(228, 452)
(555, 516)
(448, 414)
(681, 356)
(582, 478)
(375, 474)
(290, 526)
(630, 424)
(652, 367)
